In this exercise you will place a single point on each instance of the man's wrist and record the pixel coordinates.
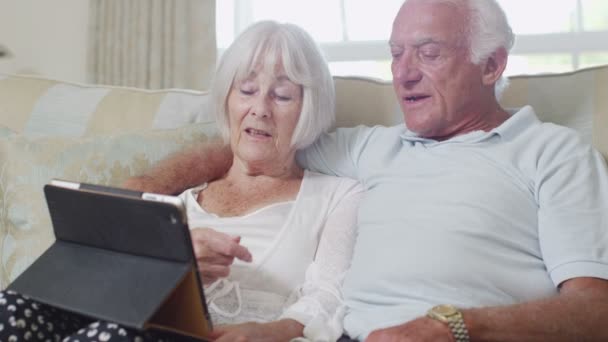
(453, 319)
(445, 329)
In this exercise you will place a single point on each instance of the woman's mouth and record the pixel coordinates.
(257, 133)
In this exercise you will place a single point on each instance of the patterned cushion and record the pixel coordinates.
(39, 107)
(27, 164)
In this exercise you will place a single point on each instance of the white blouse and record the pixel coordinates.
(301, 250)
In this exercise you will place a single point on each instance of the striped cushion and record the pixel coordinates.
(38, 107)
(42, 107)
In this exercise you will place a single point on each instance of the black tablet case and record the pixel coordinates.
(119, 258)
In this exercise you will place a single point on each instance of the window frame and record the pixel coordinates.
(571, 43)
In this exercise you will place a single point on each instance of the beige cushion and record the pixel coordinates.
(578, 100)
(39, 107)
(27, 164)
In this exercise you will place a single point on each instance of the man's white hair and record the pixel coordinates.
(487, 31)
(268, 44)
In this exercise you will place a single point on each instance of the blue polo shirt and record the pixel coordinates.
(482, 219)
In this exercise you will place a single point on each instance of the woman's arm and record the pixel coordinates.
(279, 331)
(184, 169)
(320, 308)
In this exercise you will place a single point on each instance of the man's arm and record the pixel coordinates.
(578, 313)
(184, 169)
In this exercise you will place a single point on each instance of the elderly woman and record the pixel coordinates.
(272, 240)
(291, 231)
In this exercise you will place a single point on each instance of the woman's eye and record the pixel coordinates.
(247, 91)
(283, 98)
(282, 95)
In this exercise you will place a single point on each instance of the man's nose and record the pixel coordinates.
(406, 69)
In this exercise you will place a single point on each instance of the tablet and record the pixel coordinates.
(121, 256)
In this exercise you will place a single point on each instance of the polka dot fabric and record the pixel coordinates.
(23, 319)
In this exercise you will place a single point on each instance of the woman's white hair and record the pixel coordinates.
(267, 44)
(488, 30)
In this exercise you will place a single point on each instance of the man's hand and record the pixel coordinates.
(283, 330)
(422, 329)
(215, 252)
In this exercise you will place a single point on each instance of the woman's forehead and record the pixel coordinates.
(276, 72)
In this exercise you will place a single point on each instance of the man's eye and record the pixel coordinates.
(429, 55)
(429, 52)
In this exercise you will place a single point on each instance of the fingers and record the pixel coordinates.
(212, 244)
(216, 333)
(229, 246)
(215, 252)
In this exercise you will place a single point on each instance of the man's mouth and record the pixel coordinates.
(257, 132)
(415, 98)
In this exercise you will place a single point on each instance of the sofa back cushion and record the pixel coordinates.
(27, 164)
(38, 107)
(578, 100)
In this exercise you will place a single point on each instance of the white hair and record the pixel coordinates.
(268, 44)
(487, 31)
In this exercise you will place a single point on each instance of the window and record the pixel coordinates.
(552, 35)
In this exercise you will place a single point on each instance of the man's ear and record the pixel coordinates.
(494, 66)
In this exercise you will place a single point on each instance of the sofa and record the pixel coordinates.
(103, 134)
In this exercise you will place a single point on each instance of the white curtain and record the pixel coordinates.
(152, 44)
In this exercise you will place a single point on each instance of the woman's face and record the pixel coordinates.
(263, 111)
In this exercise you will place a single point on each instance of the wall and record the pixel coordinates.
(47, 38)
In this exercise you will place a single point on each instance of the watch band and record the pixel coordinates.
(451, 316)
(458, 328)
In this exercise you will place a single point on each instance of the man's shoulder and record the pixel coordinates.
(331, 183)
(373, 131)
(548, 134)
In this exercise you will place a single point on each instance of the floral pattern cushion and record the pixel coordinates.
(26, 165)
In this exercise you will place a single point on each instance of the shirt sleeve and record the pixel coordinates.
(572, 190)
(336, 153)
(320, 305)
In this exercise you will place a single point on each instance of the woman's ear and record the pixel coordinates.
(494, 66)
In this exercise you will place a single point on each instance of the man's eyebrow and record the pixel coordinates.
(423, 41)
(392, 44)
(416, 43)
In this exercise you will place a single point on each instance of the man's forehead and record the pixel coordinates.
(421, 21)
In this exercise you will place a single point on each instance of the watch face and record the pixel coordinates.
(445, 310)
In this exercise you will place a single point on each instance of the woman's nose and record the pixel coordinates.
(261, 108)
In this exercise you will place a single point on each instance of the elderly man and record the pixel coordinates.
(477, 224)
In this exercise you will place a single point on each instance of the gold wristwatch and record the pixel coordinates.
(451, 316)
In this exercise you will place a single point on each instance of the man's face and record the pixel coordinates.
(439, 89)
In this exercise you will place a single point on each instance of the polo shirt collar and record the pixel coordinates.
(520, 119)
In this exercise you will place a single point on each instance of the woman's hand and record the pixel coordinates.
(215, 252)
(283, 330)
